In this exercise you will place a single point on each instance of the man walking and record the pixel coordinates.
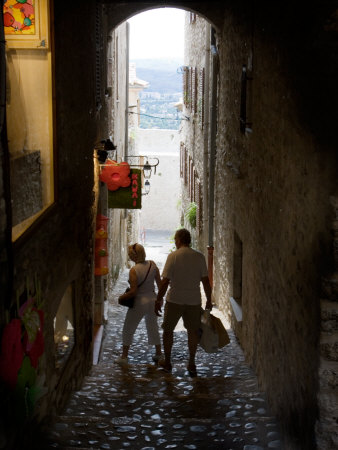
(184, 269)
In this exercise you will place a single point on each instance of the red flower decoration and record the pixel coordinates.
(115, 175)
(11, 353)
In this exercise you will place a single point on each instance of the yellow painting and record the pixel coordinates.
(19, 17)
(26, 23)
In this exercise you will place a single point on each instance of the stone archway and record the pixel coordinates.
(118, 12)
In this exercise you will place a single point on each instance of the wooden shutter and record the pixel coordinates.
(181, 159)
(186, 87)
(193, 90)
(190, 88)
(200, 102)
(195, 186)
(185, 153)
(191, 179)
(199, 215)
(192, 18)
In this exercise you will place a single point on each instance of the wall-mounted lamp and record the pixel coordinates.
(103, 148)
(147, 167)
(147, 170)
(146, 188)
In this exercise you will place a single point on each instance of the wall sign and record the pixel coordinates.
(127, 197)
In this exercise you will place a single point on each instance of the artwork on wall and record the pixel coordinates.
(26, 23)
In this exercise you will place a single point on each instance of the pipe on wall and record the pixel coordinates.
(212, 156)
(126, 131)
(206, 128)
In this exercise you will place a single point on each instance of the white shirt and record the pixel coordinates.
(148, 284)
(185, 269)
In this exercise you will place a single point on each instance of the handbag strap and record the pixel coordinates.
(146, 276)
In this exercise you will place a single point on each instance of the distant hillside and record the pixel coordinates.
(161, 74)
(159, 63)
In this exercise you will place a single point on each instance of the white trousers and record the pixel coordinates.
(143, 307)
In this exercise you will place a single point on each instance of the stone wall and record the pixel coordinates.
(58, 248)
(272, 191)
(117, 106)
(197, 58)
(327, 433)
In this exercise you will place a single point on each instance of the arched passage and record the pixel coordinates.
(272, 194)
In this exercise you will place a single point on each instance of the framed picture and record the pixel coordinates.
(26, 23)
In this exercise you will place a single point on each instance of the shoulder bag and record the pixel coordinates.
(129, 302)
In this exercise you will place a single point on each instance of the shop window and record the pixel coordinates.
(64, 333)
(29, 115)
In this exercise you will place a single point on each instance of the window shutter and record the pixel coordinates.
(195, 186)
(186, 85)
(192, 18)
(193, 90)
(200, 103)
(191, 179)
(190, 88)
(185, 165)
(199, 215)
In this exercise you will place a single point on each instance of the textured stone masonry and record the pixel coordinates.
(327, 433)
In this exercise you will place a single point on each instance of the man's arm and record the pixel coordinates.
(157, 278)
(207, 290)
(161, 293)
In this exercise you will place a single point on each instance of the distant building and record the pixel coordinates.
(135, 87)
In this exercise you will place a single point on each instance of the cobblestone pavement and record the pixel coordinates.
(142, 407)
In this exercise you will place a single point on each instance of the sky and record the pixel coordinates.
(158, 33)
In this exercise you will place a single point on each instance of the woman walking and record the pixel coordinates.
(141, 278)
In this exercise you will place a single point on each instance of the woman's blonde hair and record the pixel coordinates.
(137, 253)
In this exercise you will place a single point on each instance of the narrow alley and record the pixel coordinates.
(250, 169)
(142, 407)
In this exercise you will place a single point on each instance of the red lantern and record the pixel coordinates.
(101, 252)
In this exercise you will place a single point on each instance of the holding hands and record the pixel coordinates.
(158, 307)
